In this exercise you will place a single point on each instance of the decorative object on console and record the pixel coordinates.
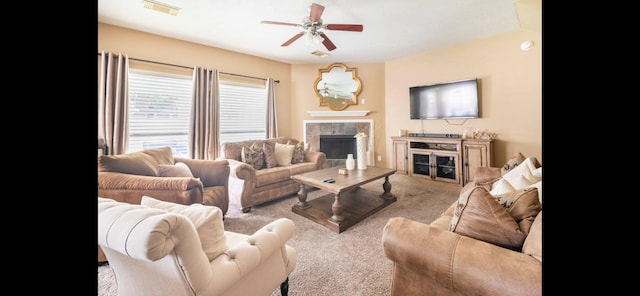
(362, 150)
(485, 135)
(350, 163)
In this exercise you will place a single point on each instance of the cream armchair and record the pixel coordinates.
(158, 252)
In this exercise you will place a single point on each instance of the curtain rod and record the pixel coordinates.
(191, 68)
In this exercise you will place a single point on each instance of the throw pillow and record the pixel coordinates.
(180, 169)
(298, 153)
(206, 219)
(522, 175)
(500, 187)
(513, 162)
(269, 147)
(284, 154)
(539, 186)
(253, 156)
(135, 163)
(478, 215)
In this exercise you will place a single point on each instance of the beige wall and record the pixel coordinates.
(510, 84)
(304, 99)
(510, 91)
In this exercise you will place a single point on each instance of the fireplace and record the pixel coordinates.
(338, 146)
(343, 129)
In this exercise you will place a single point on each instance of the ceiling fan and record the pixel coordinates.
(312, 26)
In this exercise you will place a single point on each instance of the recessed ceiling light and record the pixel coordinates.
(161, 7)
(526, 45)
(319, 53)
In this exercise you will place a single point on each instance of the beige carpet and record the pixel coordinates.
(351, 263)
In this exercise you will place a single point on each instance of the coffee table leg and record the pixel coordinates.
(302, 198)
(336, 208)
(387, 189)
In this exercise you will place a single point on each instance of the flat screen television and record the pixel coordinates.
(449, 100)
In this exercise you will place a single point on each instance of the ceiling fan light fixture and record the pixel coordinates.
(320, 53)
(161, 7)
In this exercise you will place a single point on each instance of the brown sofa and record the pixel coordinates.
(479, 257)
(249, 186)
(153, 172)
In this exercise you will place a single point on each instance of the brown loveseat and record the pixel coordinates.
(249, 186)
(156, 173)
(493, 249)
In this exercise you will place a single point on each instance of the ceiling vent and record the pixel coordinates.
(161, 7)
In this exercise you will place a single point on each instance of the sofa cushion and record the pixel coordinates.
(206, 219)
(180, 169)
(284, 154)
(253, 156)
(135, 163)
(478, 215)
(266, 177)
(533, 243)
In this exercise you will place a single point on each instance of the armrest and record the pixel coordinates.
(460, 263)
(130, 188)
(315, 156)
(241, 259)
(241, 170)
(210, 172)
(113, 180)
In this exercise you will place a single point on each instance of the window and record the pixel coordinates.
(159, 111)
(243, 112)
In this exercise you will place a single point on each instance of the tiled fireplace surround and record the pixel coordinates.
(314, 128)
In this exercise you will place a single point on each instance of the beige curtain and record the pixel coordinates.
(112, 102)
(272, 118)
(203, 130)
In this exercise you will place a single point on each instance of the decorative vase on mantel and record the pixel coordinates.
(361, 146)
(351, 163)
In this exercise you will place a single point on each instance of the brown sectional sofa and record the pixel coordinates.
(490, 251)
(249, 186)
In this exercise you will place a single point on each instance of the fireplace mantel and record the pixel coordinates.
(338, 113)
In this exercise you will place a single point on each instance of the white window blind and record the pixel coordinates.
(243, 111)
(159, 111)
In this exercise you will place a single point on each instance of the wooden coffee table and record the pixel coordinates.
(346, 203)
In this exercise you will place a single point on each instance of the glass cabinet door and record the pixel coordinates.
(447, 167)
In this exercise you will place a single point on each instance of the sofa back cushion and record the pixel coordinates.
(233, 150)
(143, 162)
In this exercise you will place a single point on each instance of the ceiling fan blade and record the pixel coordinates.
(294, 38)
(316, 12)
(327, 43)
(345, 27)
(280, 23)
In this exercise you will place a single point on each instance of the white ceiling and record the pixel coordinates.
(392, 29)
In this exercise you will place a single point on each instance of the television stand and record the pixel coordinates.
(445, 159)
